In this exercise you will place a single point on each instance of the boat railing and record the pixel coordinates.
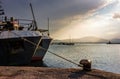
(16, 24)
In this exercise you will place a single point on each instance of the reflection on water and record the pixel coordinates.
(103, 56)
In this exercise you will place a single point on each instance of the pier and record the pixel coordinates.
(16, 72)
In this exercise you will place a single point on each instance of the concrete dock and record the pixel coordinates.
(13, 72)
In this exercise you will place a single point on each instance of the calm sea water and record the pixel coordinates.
(103, 56)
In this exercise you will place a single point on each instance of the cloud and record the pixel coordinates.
(57, 9)
(116, 15)
(66, 8)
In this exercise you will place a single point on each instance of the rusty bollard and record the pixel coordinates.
(86, 64)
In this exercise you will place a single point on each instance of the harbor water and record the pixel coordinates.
(103, 56)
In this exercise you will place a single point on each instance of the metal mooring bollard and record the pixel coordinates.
(86, 64)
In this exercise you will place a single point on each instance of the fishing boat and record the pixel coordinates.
(109, 42)
(68, 43)
(21, 41)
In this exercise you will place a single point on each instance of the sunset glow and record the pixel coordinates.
(100, 23)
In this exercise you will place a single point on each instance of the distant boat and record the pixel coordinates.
(21, 43)
(113, 42)
(65, 43)
(109, 42)
(69, 43)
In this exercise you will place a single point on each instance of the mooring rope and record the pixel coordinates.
(65, 59)
(80, 65)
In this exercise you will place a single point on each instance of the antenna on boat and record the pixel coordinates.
(34, 20)
(48, 28)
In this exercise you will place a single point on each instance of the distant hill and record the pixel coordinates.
(115, 41)
(92, 39)
(89, 39)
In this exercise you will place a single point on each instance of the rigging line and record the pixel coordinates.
(37, 46)
(80, 65)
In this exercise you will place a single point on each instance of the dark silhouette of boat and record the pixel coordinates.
(113, 42)
(109, 42)
(66, 43)
(21, 43)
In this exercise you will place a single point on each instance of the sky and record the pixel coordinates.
(70, 18)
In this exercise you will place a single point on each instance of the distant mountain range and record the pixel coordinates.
(115, 41)
(89, 39)
(84, 39)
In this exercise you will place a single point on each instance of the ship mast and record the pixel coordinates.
(34, 20)
(1, 9)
